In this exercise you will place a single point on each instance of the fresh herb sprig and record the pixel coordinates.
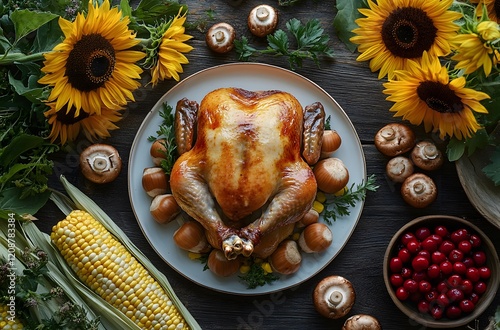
(339, 205)
(257, 276)
(310, 42)
(166, 134)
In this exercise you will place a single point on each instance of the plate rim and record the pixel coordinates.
(185, 81)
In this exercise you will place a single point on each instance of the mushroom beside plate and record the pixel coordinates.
(250, 76)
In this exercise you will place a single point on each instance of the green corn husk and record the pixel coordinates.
(83, 202)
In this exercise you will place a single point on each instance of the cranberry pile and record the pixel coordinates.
(444, 273)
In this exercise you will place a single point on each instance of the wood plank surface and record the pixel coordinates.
(359, 93)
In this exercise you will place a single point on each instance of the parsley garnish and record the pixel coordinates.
(167, 135)
(256, 276)
(339, 205)
(310, 42)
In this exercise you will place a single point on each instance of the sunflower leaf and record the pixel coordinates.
(26, 21)
(11, 199)
(344, 21)
(150, 11)
(492, 170)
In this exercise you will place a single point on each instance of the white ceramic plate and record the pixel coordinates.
(250, 76)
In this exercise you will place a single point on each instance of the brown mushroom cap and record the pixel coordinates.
(100, 163)
(334, 297)
(419, 190)
(220, 37)
(399, 168)
(394, 139)
(262, 20)
(427, 156)
(362, 322)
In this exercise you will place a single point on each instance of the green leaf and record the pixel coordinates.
(455, 149)
(4, 42)
(26, 21)
(19, 145)
(47, 37)
(125, 8)
(150, 11)
(32, 94)
(492, 170)
(344, 21)
(10, 199)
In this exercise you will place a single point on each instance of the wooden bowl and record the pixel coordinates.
(452, 223)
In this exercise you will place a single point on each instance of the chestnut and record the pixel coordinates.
(158, 151)
(331, 142)
(154, 181)
(191, 237)
(316, 237)
(331, 175)
(164, 208)
(312, 216)
(427, 156)
(220, 265)
(395, 139)
(286, 259)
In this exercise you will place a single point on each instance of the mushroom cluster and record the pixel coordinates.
(398, 141)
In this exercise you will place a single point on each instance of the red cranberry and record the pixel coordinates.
(431, 296)
(410, 285)
(456, 255)
(472, 274)
(424, 253)
(479, 258)
(443, 300)
(474, 297)
(404, 254)
(420, 263)
(468, 262)
(437, 312)
(465, 246)
(467, 286)
(442, 287)
(407, 237)
(459, 267)
(433, 271)
(429, 244)
(397, 280)
(423, 306)
(422, 233)
(454, 281)
(467, 306)
(396, 265)
(446, 267)
(455, 294)
(438, 239)
(441, 231)
(402, 294)
(446, 247)
(453, 312)
(424, 286)
(480, 287)
(413, 246)
(475, 240)
(459, 235)
(484, 272)
(406, 272)
(438, 257)
(420, 276)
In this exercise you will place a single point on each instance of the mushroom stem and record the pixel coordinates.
(220, 36)
(100, 163)
(419, 187)
(430, 151)
(262, 13)
(335, 298)
(388, 133)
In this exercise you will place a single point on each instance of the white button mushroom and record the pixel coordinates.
(394, 139)
(419, 190)
(334, 297)
(427, 156)
(220, 37)
(399, 168)
(362, 322)
(262, 20)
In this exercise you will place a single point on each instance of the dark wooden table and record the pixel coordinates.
(359, 92)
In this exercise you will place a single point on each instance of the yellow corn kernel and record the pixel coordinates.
(194, 256)
(7, 322)
(117, 267)
(341, 191)
(266, 267)
(318, 207)
(320, 197)
(295, 236)
(244, 269)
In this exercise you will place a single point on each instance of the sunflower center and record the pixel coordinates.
(69, 118)
(439, 97)
(91, 62)
(408, 31)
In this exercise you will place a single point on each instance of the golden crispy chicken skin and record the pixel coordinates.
(244, 176)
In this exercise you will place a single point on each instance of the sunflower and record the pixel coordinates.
(424, 93)
(396, 31)
(93, 68)
(492, 7)
(67, 125)
(166, 59)
(474, 49)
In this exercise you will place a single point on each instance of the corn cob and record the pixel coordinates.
(6, 321)
(108, 268)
